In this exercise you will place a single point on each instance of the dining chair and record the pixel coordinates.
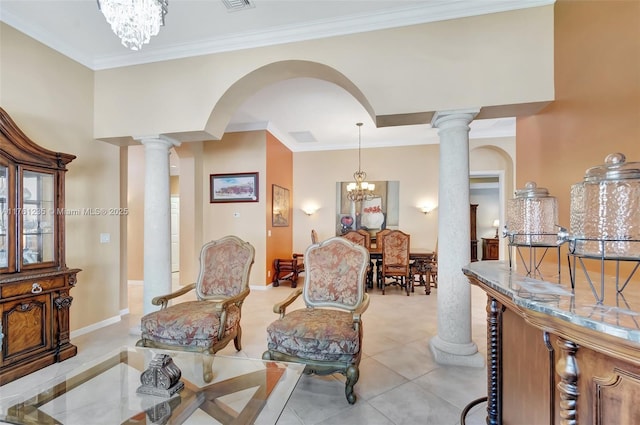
(395, 261)
(326, 336)
(362, 237)
(377, 252)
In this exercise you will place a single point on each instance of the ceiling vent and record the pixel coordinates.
(235, 5)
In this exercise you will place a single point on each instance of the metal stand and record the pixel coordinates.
(604, 256)
(531, 254)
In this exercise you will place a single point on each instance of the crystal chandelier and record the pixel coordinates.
(360, 190)
(134, 21)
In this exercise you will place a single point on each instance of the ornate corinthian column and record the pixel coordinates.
(453, 344)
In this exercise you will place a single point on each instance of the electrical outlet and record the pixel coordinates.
(105, 238)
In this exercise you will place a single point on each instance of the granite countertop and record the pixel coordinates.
(618, 314)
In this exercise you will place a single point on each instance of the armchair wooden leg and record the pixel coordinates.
(352, 374)
(236, 340)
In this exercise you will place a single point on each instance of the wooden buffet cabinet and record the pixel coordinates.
(490, 248)
(35, 282)
(555, 355)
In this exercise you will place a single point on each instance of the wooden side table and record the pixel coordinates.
(287, 269)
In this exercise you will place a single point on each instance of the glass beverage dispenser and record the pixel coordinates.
(605, 210)
(532, 217)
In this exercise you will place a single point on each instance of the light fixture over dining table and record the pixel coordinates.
(360, 190)
(134, 21)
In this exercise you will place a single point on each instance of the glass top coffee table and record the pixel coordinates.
(217, 389)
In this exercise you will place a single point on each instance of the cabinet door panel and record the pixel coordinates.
(26, 325)
(37, 215)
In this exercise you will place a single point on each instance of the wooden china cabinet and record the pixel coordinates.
(35, 282)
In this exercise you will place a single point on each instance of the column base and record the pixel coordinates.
(456, 354)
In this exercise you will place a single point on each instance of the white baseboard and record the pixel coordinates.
(260, 287)
(95, 326)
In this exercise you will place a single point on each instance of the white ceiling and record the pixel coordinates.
(293, 109)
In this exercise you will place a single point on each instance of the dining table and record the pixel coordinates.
(420, 260)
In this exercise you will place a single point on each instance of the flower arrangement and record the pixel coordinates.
(373, 209)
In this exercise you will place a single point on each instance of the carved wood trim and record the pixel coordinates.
(567, 369)
(494, 358)
(552, 378)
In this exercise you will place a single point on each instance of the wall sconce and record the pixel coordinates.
(426, 209)
(309, 210)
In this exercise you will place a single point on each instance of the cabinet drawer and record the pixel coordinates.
(28, 287)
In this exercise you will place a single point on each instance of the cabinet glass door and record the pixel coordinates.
(4, 216)
(38, 241)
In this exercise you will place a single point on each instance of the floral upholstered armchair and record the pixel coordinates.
(327, 334)
(210, 322)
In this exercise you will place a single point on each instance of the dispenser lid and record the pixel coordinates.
(614, 168)
(531, 190)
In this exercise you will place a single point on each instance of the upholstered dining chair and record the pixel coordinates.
(362, 237)
(213, 319)
(395, 261)
(326, 335)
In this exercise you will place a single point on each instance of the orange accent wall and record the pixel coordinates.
(597, 106)
(279, 172)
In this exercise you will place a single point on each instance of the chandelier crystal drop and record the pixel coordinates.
(134, 21)
(360, 190)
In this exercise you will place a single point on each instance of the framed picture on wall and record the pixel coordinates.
(235, 187)
(280, 208)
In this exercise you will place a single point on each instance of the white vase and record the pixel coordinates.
(372, 220)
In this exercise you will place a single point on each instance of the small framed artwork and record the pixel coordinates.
(280, 210)
(235, 187)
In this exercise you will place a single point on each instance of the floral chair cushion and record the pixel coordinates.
(225, 269)
(190, 324)
(315, 334)
(333, 275)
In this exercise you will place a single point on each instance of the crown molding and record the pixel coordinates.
(430, 11)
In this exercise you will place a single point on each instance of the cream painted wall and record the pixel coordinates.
(51, 98)
(179, 95)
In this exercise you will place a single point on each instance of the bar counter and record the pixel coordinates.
(554, 354)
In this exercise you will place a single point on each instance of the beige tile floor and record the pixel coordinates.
(400, 383)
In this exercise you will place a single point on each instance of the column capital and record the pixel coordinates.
(158, 142)
(454, 118)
